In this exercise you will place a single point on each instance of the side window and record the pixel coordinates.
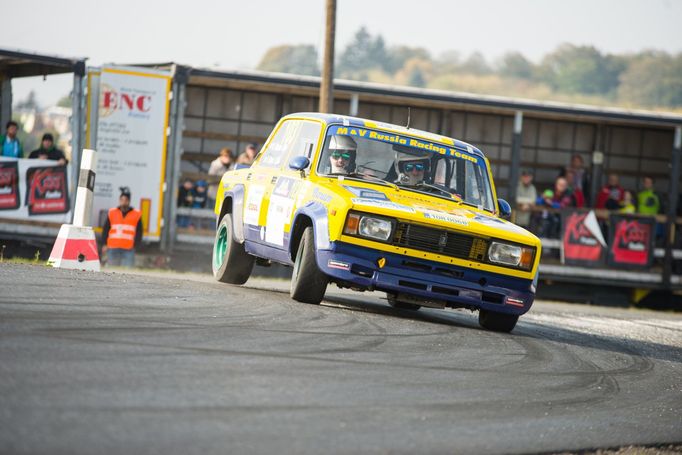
(306, 140)
(293, 138)
(277, 149)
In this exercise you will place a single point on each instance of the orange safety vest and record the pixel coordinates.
(122, 232)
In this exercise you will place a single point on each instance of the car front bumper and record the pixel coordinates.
(435, 282)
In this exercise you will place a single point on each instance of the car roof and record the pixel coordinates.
(366, 123)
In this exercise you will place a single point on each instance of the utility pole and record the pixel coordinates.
(326, 87)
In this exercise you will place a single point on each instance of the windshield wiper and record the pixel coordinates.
(364, 177)
(438, 188)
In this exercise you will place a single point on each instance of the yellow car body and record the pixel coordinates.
(374, 229)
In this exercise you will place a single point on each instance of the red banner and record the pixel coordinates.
(582, 240)
(631, 241)
(47, 190)
(9, 186)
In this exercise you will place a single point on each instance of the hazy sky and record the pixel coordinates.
(235, 34)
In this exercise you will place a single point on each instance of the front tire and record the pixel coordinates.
(308, 283)
(497, 322)
(231, 263)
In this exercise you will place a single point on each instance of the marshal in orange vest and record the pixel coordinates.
(122, 232)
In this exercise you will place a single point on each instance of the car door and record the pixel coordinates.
(260, 181)
(301, 139)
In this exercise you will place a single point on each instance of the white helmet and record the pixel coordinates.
(345, 146)
(407, 177)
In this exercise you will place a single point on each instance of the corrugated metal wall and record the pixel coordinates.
(218, 117)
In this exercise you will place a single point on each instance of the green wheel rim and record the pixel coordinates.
(220, 247)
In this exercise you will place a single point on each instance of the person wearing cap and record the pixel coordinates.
(248, 155)
(48, 151)
(199, 196)
(11, 147)
(122, 232)
(343, 150)
(218, 167)
(526, 194)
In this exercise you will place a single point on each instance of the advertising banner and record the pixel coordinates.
(631, 242)
(582, 240)
(34, 190)
(9, 185)
(47, 190)
(132, 122)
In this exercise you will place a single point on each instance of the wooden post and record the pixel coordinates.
(326, 86)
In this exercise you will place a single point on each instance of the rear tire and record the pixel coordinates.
(497, 322)
(308, 283)
(231, 263)
(395, 303)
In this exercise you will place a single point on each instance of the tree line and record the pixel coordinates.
(651, 78)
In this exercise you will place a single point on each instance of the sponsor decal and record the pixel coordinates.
(254, 198)
(515, 302)
(366, 194)
(631, 241)
(9, 185)
(453, 219)
(582, 240)
(47, 190)
(488, 220)
(322, 197)
(334, 264)
(382, 204)
(392, 138)
(284, 187)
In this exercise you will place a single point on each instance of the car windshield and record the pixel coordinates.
(411, 163)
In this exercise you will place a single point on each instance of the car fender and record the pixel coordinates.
(236, 193)
(319, 216)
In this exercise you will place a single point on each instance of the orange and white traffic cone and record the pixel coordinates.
(76, 245)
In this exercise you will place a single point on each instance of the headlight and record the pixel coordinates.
(368, 226)
(512, 255)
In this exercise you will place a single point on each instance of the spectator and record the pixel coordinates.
(48, 151)
(648, 202)
(219, 166)
(526, 194)
(611, 195)
(548, 223)
(581, 177)
(185, 193)
(627, 206)
(11, 147)
(122, 232)
(575, 191)
(248, 155)
(185, 199)
(562, 197)
(199, 196)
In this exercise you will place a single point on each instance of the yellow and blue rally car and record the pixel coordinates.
(374, 206)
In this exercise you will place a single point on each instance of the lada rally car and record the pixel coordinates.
(373, 206)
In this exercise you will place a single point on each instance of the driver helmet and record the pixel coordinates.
(343, 150)
(411, 169)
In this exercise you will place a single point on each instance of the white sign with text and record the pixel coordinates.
(131, 143)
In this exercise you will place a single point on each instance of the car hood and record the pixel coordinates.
(426, 209)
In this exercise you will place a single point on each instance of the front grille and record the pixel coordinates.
(440, 241)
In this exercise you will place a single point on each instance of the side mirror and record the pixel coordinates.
(505, 209)
(299, 163)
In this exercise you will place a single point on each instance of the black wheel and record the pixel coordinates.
(231, 263)
(395, 303)
(308, 283)
(497, 322)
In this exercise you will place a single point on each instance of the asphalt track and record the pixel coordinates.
(118, 363)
